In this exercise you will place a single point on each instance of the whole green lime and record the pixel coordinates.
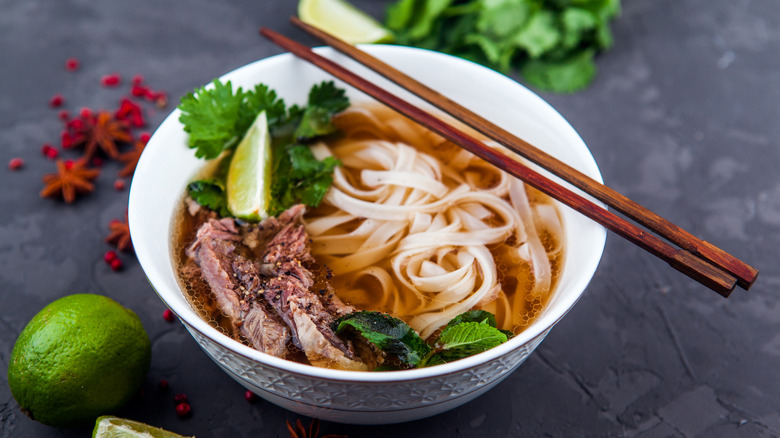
(80, 357)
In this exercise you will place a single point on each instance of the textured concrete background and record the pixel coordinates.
(683, 117)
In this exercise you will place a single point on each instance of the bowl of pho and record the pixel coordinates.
(345, 263)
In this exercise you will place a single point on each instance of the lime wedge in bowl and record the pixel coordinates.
(343, 20)
(249, 176)
(115, 427)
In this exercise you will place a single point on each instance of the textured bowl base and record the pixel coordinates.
(365, 417)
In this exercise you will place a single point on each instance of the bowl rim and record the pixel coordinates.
(193, 321)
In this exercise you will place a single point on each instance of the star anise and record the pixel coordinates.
(99, 131)
(72, 178)
(314, 429)
(130, 158)
(120, 234)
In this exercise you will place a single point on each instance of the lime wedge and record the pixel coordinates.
(249, 175)
(114, 427)
(343, 20)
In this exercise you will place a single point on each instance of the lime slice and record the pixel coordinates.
(249, 175)
(114, 427)
(343, 20)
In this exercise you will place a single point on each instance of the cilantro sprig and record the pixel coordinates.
(551, 42)
(217, 117)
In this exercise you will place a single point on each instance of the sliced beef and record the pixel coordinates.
(261, 279)
(235, 283)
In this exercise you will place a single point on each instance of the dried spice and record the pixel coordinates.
(15, 163)
(130, 158)
(102, 131)
(72, 178)
(314, 429)
(120, 234)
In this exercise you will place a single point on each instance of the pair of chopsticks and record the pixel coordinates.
(700, 260)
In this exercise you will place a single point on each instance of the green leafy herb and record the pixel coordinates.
(217, 117)
(210, 193)
(480, 316)
(551, 42)
(325, 100)
(300, 177)
(389, 334)
(463, 340)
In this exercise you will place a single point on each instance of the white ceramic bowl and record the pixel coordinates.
(167, 165)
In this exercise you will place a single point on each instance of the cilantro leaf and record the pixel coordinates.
(210, 193)
(391, 335)
(545, 40)
(300, 177)
(325, 100)
(216, 118)
(209, 117)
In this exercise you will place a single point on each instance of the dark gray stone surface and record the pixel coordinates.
(683, 117)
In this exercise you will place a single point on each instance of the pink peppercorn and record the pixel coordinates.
(109, 256)
(111, 80)
(183, 409)
(250, 396)
(15, 163)
(119, 185)
(163, 385)
(56, 101)
(116, 264)
(168, 316)
(72, 64)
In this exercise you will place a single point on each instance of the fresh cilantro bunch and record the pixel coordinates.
(217, 118)
(551, 42)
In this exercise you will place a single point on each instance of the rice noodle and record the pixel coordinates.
(423, 227)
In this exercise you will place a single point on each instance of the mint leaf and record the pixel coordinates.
(391, 335)
(209, 193)
(480, 316)
(463, 340)
(325, 100)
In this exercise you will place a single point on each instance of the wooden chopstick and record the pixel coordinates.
(685, 262)
(745, 274)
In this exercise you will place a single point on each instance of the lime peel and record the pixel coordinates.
(343, 20)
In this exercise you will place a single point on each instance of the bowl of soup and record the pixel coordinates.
(412, 227)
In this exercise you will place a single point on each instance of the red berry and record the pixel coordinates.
(111, 80)
(138, 80)
(109, 256)
(119, 185)
(180, 398)
(139, 90)
(168, 316)
(63, 115)
(163, 385)
(183, 409)
(49, 152)
(15, 163)
(56, 101)
(71, 64)
(68, 164)
(85, 113)
(144, 137)
(250, 396)
(116, 264)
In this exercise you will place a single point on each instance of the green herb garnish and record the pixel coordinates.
(209, 193)
(325, 100)
(551, 43)
(217, 118)
(389, 334)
